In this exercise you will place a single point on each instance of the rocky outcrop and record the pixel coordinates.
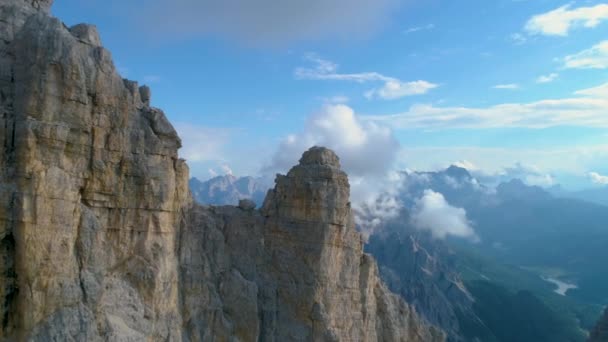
(600, 332)
(100, 240)
(294, 271)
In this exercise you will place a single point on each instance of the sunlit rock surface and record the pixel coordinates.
(99, 237)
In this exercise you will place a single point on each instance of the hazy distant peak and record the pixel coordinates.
(458, 172)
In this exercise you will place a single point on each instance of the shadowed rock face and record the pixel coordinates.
(600, 332)
(100, 240)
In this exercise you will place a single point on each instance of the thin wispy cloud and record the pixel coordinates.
(202, 143)
(595, 57)
(393, 88)
(502, 162)
(337, 99)
(587, 107)
(560, 21)
(547, 78)
(518, 38)
(419, 28)
(510, 86)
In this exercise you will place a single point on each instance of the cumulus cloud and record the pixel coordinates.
(266, 21)
(393, 88)
(598, 179)
(595, 57)
(364, 148)
(433, 213)
(586, 108)
(370, 214)
(547, 78)
(560, 21)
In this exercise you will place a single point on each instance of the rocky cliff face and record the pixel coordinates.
(419, 269)
(600, 332)
(100, 240)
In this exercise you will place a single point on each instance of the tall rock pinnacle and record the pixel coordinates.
(100, 240)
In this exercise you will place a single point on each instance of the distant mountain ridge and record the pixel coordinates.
(228, 190)
(518, 225)
(593, 195)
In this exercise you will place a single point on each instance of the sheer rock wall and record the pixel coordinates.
(99, 237)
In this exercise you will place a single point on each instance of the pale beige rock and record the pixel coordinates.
(100, 240)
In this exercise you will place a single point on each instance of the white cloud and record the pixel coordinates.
(201, 143)
(510, 86)
(375, 201)
(395, 89)
(560, 21)
(595, 57)
(226, 169)
(419, 28)
(598, 179)
(465, 164)
(600, 91)
(494, 164)
(433, 213)
(263, 22)
(587, 108)
(547, 78)
(364, 148)
(530, 174)
(518, 38)
(367, 152)
(337, 99)
(392, 89)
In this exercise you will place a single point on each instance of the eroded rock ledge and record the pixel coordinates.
(100, 240)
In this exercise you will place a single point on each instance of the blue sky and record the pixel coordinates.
(494, 85)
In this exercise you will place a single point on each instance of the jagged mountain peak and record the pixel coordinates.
(100, 240)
